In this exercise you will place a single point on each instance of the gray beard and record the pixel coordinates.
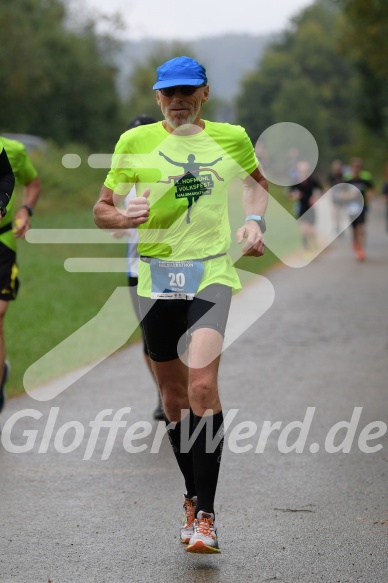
(183, 121)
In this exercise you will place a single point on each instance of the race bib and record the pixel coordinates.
(175, 280)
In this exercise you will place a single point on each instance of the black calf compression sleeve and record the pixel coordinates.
(207, 459)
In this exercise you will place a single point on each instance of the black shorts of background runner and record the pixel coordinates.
(9, 283)
(361, 219)
(165, 322)
(132, 284)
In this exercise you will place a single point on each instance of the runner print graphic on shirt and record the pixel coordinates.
(191, 184)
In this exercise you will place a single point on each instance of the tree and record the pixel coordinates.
(365, 33)
(303, 79)
(56, 81)
(365, 41)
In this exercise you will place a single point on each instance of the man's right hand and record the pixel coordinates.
(139, 209)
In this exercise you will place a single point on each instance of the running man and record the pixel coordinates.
(14, 226)
(186, 277)
(336, 176)
(7, 183)
(305, 193)
(363, 181)
(133, 259)
(384, 192)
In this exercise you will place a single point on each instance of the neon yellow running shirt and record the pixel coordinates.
(24, 172)
(189, 177)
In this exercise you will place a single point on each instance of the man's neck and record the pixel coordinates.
(185, 129)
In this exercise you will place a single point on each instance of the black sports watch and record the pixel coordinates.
(259, 220)
(28, 208)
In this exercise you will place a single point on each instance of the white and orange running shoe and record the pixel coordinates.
(187, 528)
(204, 539)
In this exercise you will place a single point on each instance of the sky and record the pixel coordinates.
(183, 20)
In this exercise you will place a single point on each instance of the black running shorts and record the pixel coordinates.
(9, 283)
(165, 322)
(361, 219)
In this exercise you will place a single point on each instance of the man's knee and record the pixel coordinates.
(203, 390)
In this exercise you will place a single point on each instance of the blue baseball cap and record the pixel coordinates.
(180, 71)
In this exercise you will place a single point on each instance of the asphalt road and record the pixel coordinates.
(321, 350)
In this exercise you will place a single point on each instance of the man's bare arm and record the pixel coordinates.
(255, 195)
(108, 216)
(31, 195)
(255, 201)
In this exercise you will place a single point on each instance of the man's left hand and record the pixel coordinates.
(22, 223)
(254, 245)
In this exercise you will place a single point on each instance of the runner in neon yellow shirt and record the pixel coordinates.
(181, 168)
(14, 226)
(27, 176)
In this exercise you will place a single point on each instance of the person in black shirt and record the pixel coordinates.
(7, 183)
(336, 176)
(305, 193)
(385, 193)
(363, 181)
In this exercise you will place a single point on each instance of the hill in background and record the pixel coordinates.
(227, 59)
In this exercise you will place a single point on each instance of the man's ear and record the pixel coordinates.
(206, 91)
(157, 96)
